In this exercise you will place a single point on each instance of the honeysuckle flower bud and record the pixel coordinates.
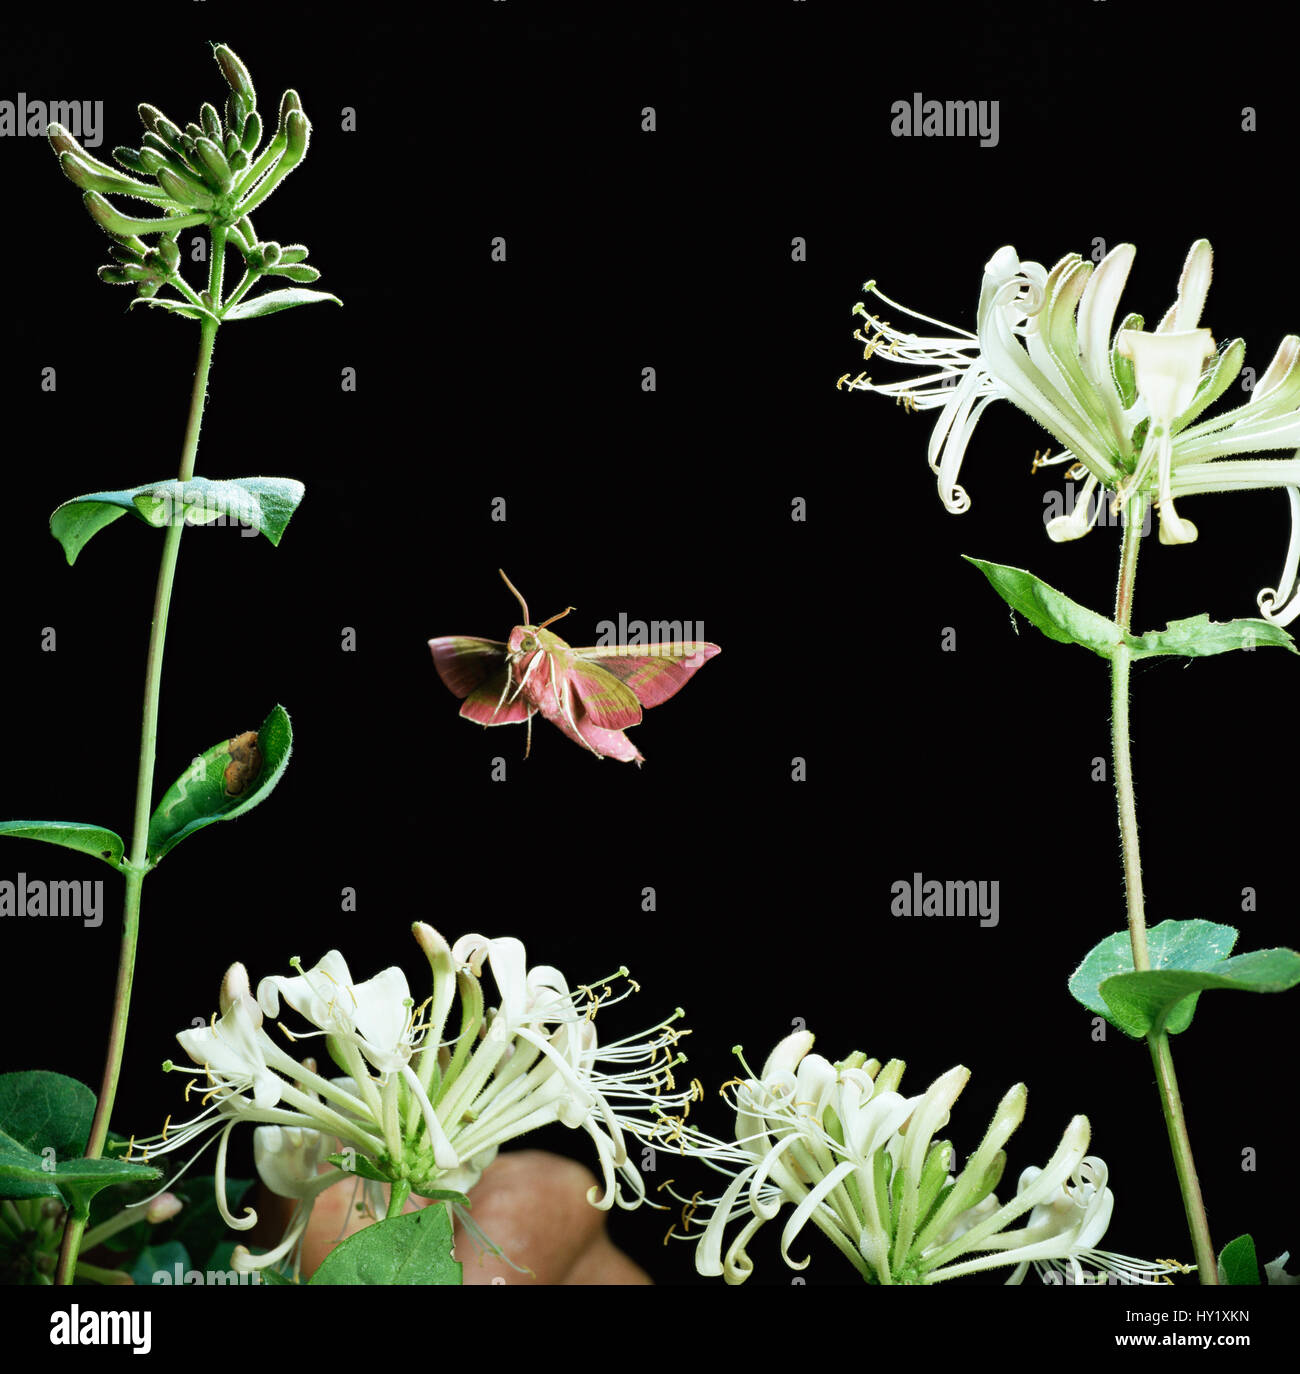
(1124, 403)
(236, 74)
(426, 1109)
(297, 134)
(252, 135)
(852, 1156)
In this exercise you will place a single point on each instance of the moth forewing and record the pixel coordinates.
(652, 672)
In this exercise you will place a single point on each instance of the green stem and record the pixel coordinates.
(138, 863)
(397, 1196)
(1161, 1052)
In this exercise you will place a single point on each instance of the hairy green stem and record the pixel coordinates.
(1162, 1057)
(137, 865)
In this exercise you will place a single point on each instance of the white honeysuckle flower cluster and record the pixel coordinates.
(1124, 402)
(852, 1156)
(418, 1106)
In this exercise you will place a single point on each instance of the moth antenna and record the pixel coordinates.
(554, 618)
(518, 598)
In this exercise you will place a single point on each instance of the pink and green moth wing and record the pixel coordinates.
(606, 702)
(651, 672)
(476, 670)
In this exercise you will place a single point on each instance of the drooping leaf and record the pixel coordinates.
(271, 302)
(1238, 1263)
(222, 783)
(410, 1249)
(87, 839)
(264, 504)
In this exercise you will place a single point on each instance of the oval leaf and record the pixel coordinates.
(1053, 613)
(410, 1249)
(227, 780)
(44, 1125)
(1146, 1002)
(273, 301)
(1172, 944)
(88, 839)
(260, 503)
(1238, 1263)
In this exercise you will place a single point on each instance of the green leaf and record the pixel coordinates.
(185, 308)
(270, 302)
(88, 839)
(160, 1259)
(1053, 613)
(227, 780)
(1067, 622)
(1146, 1002)
(410, 1249)
(1171, 944)
(1199, 637)
(359, 1166)
(260, 503)
(1187, 957)
(1238, 1263)
(44, 1125)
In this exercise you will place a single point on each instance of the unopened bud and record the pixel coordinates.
(151, 160)
(169, 252)
(299, 273)
(288, 102)
(185, 191)
(130, 159)
(88, 179)
(234, 986)
(150, 115)
(163, 1208)
(238, 160)
(211, 121)
(127, 275)
(236, 74)
(252, 132)
(195, 131)
(297, 132)
(125, 253)
(236, 114)
(294, 252)
(270, 253)
(62, 141)
(214, 162)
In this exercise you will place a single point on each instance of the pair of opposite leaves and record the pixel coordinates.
(592, 695)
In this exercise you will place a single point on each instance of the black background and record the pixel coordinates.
(522, 380)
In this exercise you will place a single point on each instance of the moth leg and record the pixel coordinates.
(505, 687)
(527, 674)
(528, 740)
(564, 697)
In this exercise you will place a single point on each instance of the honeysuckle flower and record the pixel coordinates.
(1123, 402)
(424, 1111)
(852, 1156)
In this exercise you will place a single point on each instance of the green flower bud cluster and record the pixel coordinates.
(209, 172)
